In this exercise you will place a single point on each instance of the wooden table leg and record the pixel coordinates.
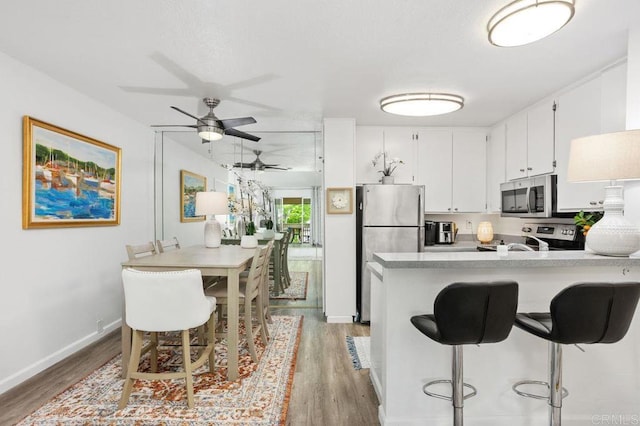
(233, 280)
(277, 270)
(125, 336)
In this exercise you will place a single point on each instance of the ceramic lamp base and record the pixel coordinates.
(613, 235)
(212, 233)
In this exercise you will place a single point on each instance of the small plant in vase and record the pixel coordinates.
(585, 221)
(389, 165)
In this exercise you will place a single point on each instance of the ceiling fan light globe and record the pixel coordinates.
(210, 133)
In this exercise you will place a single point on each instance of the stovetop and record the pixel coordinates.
(559, 236)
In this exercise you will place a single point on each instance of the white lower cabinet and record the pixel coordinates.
(452, 166)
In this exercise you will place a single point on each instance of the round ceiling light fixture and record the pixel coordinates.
(421, 104)
(525, 21)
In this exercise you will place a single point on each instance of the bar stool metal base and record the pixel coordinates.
(446, 397)
(556, 392)
(457, 395)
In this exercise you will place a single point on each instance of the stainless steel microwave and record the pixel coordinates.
(529, 197)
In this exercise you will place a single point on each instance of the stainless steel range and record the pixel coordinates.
(559, 236)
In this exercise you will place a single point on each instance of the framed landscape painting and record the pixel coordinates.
(68, 179)
(190, 183)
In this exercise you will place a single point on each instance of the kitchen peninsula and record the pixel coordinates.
(603, 381)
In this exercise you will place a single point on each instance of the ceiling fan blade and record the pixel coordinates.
(243, 135)
(174, 125)
(244, 165)
(276, 168)
(235, 122)
(187, 114)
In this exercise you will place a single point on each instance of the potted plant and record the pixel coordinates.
(388, 166)
(249, 240)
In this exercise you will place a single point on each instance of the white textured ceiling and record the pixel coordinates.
(288, 63)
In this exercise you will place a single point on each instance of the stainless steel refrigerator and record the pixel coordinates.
(390, 218)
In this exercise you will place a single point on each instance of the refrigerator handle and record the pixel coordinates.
(360, 206)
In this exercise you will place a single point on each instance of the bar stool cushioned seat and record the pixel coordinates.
(582, 313)
(468, 313)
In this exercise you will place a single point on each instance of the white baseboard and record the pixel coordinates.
(44, 363)
(340, 319)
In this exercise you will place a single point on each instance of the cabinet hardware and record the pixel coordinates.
(529, 168)
(522, 170)
(449, 209)
(456, 209)
(593, 203)
(601, 202)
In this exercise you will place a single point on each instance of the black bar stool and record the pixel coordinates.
(581, 313)
(463, 314)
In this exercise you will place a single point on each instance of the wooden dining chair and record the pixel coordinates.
(250, 294)
(170, 244)
(139, 250)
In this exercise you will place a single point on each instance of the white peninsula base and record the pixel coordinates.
(603, 382)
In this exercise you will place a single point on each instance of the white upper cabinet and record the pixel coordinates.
(400, 142)
(540, 139)
(495, 166)
(595, 107)
(435, 168)
(516, 146)
(469, 171)
(369, 142)
(452, 166)
(529, 142)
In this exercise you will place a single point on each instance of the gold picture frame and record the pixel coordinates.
(339, 200)
(68, 179)
(190, 183)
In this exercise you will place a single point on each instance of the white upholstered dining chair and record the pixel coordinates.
(160, 302)
(139, 250)
(169, 244)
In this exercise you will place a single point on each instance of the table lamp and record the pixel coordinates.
(609, 157)
(212, 203)
(485, 232)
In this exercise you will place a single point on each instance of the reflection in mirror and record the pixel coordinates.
(294, 182)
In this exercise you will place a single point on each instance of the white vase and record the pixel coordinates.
(388, 180)
(248, 241)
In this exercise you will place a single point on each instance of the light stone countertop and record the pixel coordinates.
(514, 259)
(457, 246)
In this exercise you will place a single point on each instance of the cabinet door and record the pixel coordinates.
(469, 168)
(613, 112)
(516, 146)
(434, 168)
(400, 142)
(495, 167)
(368, 144)
(578, 115)
(540, 149)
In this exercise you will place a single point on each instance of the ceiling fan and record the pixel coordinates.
(257, 164)
(211, 128)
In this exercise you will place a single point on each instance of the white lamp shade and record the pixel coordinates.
(485, 232)
(212, 203)
(610, 156)
(525, 21)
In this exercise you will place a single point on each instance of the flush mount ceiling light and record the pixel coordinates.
(525, 21)
(421, 104)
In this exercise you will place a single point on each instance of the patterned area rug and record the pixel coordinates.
(259, 397)
(359, 349)
(298, 288)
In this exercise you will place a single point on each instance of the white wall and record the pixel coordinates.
(339, 229)
(57, 283)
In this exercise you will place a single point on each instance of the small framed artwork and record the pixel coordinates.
(190, 183)
(339, 200)
(68, 179)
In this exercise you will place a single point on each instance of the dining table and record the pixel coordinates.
(224, 261)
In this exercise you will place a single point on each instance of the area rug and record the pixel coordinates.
(359, 349)
(259, 397)
(298, 288)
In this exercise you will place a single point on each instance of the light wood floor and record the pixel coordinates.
(326, 388)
